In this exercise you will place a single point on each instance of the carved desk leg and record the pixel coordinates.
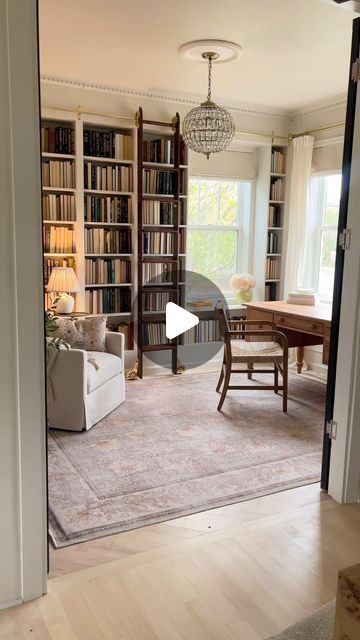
(299, 358)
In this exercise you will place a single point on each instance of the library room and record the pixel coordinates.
(200, 301)
(138, 222)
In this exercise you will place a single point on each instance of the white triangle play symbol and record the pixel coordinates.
(178, 320)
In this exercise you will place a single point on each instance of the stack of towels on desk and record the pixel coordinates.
(304, 296)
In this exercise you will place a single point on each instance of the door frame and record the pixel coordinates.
(341, 280)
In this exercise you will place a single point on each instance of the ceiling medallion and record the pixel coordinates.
(209, 128)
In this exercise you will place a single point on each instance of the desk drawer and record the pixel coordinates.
(299, 324)
(262, 316)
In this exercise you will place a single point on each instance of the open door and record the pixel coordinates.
(341, 246)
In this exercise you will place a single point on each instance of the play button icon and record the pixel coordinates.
(178, 320)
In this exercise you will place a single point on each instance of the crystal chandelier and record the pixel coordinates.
(208, 128)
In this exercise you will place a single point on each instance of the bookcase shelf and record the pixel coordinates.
(162, 170)
(57, 156)
(98, 192)
(108, 285)
(105, 160)
(107, 224)
(58, 189)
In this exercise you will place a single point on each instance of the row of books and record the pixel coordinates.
(99, 240)
(108, 177)
(275, 217)
(154, 272)
(109, 209)
(127, 329)
(112, 300)
(273, 242)
(60, 207)
(272, 269)
(58, 239)
(161, 212)
(270, 291)
(205, 331)
(162, 242)
(50, 263)
(158, 181)
(107, 144)
(154, 333)
(58, 173)
(58, 140)
(277, 189)
(277, 162)
(162, 150)
(109, 271)
(157, 301)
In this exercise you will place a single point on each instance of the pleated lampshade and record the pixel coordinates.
(63, 279)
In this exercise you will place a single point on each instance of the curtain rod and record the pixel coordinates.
(310, 132)
(79, 112)
(252, 134)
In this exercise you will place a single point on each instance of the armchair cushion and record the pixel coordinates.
(107, 366)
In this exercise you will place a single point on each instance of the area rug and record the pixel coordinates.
(167, 452)
(317, 626)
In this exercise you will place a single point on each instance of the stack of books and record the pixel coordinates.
(304, 296)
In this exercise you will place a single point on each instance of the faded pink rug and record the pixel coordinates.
(166, 452)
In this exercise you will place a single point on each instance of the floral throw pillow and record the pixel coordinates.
(88, 334)
(93, 333)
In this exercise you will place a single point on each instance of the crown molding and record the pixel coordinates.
(321, 105)
(99, 87)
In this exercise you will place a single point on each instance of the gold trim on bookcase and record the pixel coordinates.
(78, 111)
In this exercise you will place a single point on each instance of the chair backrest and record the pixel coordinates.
(222, 316)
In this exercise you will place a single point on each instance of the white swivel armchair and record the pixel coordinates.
(86, 385)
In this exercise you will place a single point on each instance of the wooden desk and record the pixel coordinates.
(303, 325)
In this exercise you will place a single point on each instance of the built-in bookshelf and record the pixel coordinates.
(162, 193)
(275, 223)
(108, 234)
(88, 203)
(58, 172)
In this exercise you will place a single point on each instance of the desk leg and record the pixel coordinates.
(299, 358)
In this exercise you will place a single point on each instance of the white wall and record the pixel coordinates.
(22, 388)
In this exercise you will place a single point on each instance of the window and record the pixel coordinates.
(325, 200)
(218, 215)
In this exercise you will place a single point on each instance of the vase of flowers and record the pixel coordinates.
(243, 283)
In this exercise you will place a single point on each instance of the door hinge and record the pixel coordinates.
(345, 239)
(355, 71)
(331, 429)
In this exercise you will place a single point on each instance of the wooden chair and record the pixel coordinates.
(241, 346)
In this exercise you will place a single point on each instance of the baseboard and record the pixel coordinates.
(11, 603)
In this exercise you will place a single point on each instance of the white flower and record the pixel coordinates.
(242, 281)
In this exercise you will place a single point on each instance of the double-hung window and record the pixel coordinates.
(218, 221)
(324, 213)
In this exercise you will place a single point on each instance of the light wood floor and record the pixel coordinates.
(240, 572)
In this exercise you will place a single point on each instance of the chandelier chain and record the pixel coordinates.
(209, 79)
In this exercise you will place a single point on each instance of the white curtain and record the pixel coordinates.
(296, 273)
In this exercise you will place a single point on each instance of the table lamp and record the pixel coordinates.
(63, 281)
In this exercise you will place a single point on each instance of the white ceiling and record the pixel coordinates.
(295, 51)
